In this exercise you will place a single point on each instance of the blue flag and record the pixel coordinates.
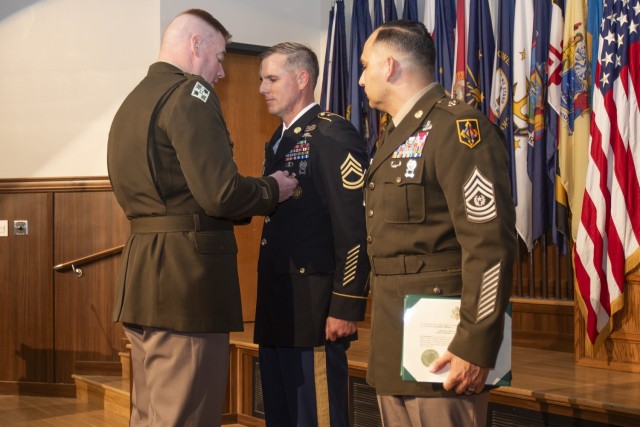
(410, 10)
(542, 187)
(378, 19)
(360, 30)
(594, 18)
(443, 37)
(480, 55)
(390, 12)
(559, 211)
(502, 86)
(334, 84)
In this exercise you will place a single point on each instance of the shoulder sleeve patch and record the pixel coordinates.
(200, 92)
(352, 173)
(468, 132)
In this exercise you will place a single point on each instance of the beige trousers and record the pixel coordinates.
(409, 411)
(179, 379)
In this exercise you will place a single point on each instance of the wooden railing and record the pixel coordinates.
(74, 265)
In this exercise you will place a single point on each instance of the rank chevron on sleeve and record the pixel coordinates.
(352, 173)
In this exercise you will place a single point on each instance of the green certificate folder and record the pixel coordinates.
(429, 326)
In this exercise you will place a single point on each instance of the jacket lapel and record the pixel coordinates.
(411, 122)
(269, 155)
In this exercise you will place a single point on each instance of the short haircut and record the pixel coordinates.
(298, 56)
(410, 37)
(209, 19)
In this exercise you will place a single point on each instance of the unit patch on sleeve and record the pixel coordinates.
(200, 92)
(352, 173)
(412, 147)
(479, 198)
(468, 132)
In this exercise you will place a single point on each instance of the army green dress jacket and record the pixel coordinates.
(440, 221)
(171, 166)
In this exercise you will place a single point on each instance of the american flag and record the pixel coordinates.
(607, 245)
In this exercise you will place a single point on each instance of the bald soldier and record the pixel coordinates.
(440, 222)
(171, 166)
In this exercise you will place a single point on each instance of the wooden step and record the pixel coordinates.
(125, 361)
(107, 392)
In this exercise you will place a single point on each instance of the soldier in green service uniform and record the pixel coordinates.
(440, 221)
(313, 269)
(171, 167)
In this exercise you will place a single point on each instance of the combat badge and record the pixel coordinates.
(469, 132)
(200, 92)
(479, 198)
(352, 173)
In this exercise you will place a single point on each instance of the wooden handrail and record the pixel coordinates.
(73, 265)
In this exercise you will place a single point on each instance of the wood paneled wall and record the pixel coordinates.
(26, 313)
(53, 321)
(86, 223)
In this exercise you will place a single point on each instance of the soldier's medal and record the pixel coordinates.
(297, 192)
(428, 356)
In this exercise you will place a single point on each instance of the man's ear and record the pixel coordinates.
(196, 44)
(391, 68)
(302, 78)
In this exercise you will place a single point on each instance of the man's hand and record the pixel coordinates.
(286, 184)
(464, 377)
(338, 328)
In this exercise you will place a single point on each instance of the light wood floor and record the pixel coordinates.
(31, 411)
(49, 411)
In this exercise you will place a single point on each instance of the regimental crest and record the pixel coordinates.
(200, 92)
(352, 173)
(479, 198)
(469, 132)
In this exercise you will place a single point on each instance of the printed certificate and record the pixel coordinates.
(429, 326)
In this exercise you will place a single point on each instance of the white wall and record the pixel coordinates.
(68, 64)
